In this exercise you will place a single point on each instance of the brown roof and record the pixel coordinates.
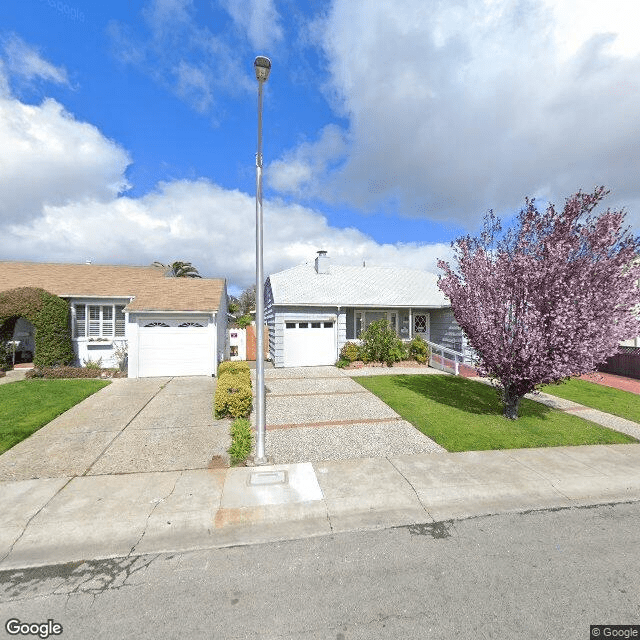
(148, 285)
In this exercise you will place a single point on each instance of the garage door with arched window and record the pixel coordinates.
(175, 348)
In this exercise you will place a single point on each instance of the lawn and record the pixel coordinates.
(465, 415)
(28, 405)
(619, 403)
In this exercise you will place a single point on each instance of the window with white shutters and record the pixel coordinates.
(99, 321)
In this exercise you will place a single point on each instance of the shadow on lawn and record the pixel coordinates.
(466, 395)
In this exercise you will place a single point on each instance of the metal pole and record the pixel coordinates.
(260, 391)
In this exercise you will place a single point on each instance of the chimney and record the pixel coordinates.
(322, 262)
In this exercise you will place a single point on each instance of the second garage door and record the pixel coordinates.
(309, 344)
(183, 350)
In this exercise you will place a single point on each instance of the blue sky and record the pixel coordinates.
(128, 128)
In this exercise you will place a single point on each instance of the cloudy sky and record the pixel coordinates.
(128, 128)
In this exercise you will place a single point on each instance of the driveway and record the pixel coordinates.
(133, 425)
(320, 413)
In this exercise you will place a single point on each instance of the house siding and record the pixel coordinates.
(445, 330)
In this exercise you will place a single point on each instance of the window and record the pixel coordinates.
(316, 325)
(420, 323)
(156, 324)
(99, 321)
(328, 325)
(303, 325)
(190, 324)
(290, 325)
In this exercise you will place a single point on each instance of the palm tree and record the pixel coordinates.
(178, 269)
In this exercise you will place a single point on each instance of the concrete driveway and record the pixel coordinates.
(143, 425)
(320, 413)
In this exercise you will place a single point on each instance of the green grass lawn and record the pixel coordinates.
(465, 415)
(619, 403)
(27, 405)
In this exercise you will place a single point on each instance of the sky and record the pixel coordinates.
(128, 128)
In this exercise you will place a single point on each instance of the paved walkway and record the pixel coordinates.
(127, 472)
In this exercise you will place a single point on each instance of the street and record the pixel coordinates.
(537, 575)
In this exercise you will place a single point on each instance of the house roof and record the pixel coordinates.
(149, 288)
(356, 287)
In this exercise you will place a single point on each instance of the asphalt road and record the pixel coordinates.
(539, 575)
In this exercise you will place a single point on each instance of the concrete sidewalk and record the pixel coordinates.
(57, 520)
(129, 471)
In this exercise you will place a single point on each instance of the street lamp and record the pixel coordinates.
(262, 67)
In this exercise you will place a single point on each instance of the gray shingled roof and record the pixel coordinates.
(357, 287)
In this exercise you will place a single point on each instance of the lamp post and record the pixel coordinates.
(262, 68)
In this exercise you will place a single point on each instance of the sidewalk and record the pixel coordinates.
(127, 472)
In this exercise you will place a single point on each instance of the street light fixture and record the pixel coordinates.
(262, 67)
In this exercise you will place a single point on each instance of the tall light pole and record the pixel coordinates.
(262, 67)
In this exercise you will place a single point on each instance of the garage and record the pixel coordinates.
(309, 343)
(175, 348)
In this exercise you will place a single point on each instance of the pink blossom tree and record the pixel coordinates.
(549, 299)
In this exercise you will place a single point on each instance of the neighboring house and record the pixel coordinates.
(313, 309)
(170, 326)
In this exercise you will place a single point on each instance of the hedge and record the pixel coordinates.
(233, 395)
(50, 317)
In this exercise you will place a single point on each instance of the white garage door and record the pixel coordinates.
(185, 349)
(309, 344)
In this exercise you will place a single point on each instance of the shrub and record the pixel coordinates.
(6, 357)
(241, 440)
(244, 321)
(381, 344)
(419, 350)
(71, 372)
(342, 363)
(229, 366)
(350, 351)
(93, 364)
(233, 395)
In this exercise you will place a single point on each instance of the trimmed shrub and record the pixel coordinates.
(71, 372)
(241, 440)
(381, 344)
(342, 363)
(350, 351)
(419, 350)
(244, 321)
(6, 357)
(229, 366)
(233, 395)
(50, 317)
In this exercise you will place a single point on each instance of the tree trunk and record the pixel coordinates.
(511, 404)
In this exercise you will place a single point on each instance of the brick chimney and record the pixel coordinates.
(322, 262)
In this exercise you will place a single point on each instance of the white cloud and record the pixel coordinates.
(258, 18)
(49, 158)
(25, 62)
(202, 223)
(190, 60)
(455, 108)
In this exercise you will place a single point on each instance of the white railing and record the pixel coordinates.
(438, 349)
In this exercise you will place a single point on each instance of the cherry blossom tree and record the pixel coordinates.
(550, 298)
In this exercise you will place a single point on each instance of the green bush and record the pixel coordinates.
(229, 366)
(342, 363)
(241, 440)
(244, 321)
(350, 351)
(419, 350)
(381, 344)
(233, 395)
(93, 364)
(6, 357)
(71, 372)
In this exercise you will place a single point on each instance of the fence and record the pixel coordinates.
(625, 363)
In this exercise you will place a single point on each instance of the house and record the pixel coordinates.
(169, 326)
(314, 308)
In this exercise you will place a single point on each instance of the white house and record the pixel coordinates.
(169, 326)
(314, 308)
